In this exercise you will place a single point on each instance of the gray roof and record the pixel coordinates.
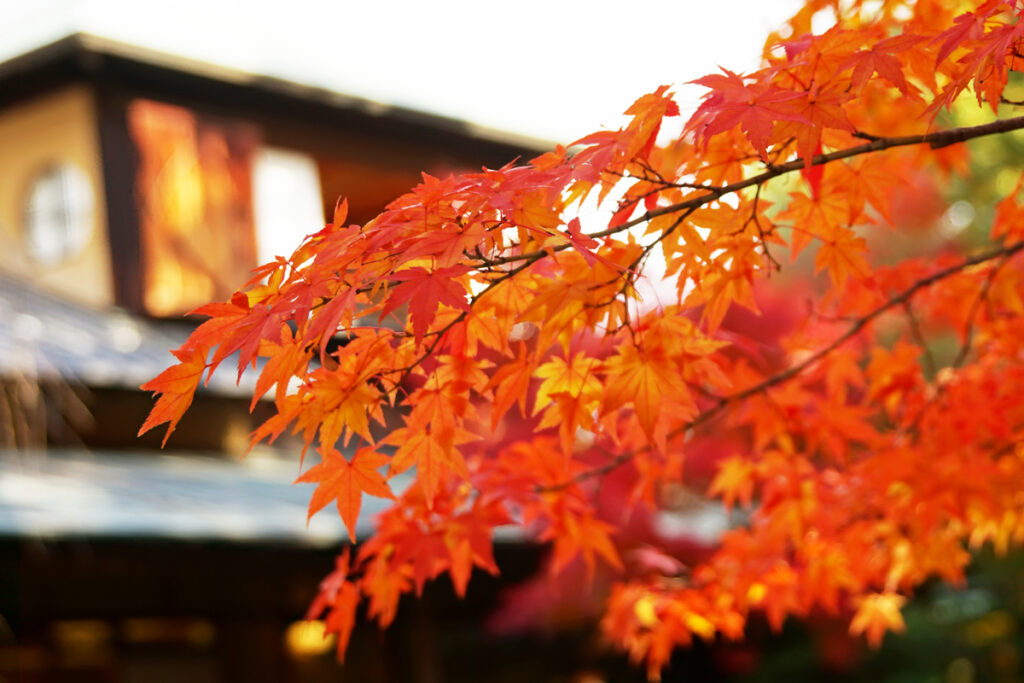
(47, 336)
(60, 494)
(76, 493)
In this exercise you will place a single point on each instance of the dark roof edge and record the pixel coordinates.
(83, 55)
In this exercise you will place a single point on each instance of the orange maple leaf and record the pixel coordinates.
(176, 386)
(876, 614)
(432, 459)
(345, 481)
(649, 382)
(734, 481)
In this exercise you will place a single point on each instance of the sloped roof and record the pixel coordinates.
(86, 57)
(46, 336)
(83, 494)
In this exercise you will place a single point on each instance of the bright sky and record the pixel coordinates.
(554, 69)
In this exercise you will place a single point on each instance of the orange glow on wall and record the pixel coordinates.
(194, 191)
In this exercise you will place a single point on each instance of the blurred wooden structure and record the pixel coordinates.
(115, 114)
(135, 186)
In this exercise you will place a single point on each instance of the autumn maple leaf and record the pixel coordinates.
(512, 382)
(585, 244)
(734, 481)
(842, 255)
(755, 108)
(581, 534)
(340, 597)
(432, 459)
(574, 390)
(424, 290)
(345, 481)
(879, 59)
(649, 382)
(876, 614)
(506, 309)
(176, 386)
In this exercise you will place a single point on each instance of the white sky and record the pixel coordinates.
(554, 69)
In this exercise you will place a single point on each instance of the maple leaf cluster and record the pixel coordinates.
(505, 335)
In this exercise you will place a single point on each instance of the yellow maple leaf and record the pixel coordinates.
(876, 614)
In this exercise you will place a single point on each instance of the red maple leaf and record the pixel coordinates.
(754, 107)
(424, 290)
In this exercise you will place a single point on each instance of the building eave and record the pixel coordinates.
(90, 58)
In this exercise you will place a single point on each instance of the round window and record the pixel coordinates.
(58, 213)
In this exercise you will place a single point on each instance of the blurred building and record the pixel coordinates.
(133, 188)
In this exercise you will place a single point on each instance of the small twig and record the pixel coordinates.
(965, 347)
(760, 230)
(935, 139)
(793, 371)
(915, 332)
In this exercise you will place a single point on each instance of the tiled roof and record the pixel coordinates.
(43, 335)
(81, 494)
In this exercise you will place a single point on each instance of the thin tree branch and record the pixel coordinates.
(965, 347)
(935, 140)
(900, 299)
(915, 332)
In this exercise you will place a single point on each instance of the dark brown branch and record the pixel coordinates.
(918, 335)
(936, 140)
(439, 334)
(900, 299)
(965, 347)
